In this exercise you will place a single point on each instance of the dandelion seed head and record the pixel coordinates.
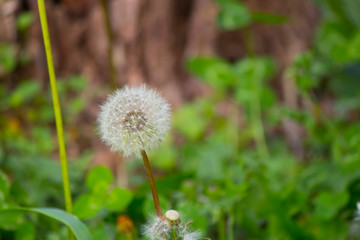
(163, 228)
(134, 119)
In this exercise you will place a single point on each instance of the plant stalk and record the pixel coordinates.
(174, 235)
(152, 183)
(57, 109)
(110, 43)
(255, 105)
(221, 227)
(230, 226)
(257, 125)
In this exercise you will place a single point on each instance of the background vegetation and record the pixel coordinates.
(266, 149)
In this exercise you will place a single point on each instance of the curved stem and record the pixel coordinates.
(152, 183)
(57, 110)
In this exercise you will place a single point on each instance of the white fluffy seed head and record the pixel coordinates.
(134, 119)
(163, 228)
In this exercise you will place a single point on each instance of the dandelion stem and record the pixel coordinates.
(152, 183)
(174, 235)
(57, 110)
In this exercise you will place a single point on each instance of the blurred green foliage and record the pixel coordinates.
(29, 172)
(225, 166)
(101, 194)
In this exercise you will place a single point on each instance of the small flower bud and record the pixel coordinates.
(172, 215)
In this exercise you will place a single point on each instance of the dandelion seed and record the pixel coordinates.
(134, 119)
(192, 236)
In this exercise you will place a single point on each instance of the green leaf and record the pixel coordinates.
(4, 186)
(352, 9)
(307, 71)
(77, 83)
(255, 69)
(164, 157)
(118, 199)
(333, 41)
(354, 47)
(344, 10)
(43, 138)
(215, 71)
(233, 15)
(87, 206)
(10, 220)
(76, 106)
(99, 179)
(251, 74)
(7, 57)
(268, 97)
(189, 123)
(26, 231)
(24, 92)
(328, 203)
(199, 218)
(24, 21)
(77, 227)
(211, 161)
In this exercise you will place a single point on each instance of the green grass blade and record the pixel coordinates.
(57, 109)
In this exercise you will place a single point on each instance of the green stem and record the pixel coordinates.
(174, 236)
(57, 110)
(152, 183)
(249, 42)
(258, 128)
(257, 125)
(221, 227)
(110, 43)
(255, 105)
(230, 226)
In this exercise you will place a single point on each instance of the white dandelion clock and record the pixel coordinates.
(134, 119)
